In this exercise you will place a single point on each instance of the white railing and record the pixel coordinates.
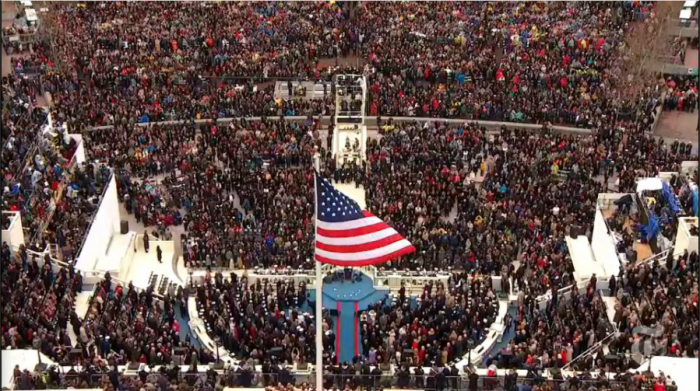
(602, 283)
(660, 256)
(94, 277)
(590, 351)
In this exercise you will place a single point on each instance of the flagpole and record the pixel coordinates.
(319, 289)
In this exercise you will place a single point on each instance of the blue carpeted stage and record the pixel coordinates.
(348, 297)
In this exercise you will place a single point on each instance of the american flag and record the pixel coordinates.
(346, 235)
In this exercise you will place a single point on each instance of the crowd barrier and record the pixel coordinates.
(388, 278)
(565, 293)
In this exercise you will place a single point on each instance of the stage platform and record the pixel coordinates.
(119, 251)
(145, 265)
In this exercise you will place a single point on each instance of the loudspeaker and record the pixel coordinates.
(575, 231)
(217, 366)
(179, 351)
(75, 354)
(385, 367)
(612, 359)
(40, 367)
(556, 374)
(134, 366)
(124, 227)
(636, 360)
(302, 366)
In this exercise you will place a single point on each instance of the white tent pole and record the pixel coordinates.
(319, 292)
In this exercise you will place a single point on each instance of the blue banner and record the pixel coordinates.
(670, 198)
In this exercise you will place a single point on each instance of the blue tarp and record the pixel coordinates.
(670, 198)
(652, 227)
(695, 202)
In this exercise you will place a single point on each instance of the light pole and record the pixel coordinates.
(470, 344)
(217, 341)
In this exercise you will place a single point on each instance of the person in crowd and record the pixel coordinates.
(146, 241)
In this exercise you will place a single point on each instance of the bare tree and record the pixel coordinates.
(645, 42)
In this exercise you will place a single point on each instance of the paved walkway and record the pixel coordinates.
(691, 58)
(679, 125)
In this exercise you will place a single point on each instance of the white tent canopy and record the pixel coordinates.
(682, 370)
(26, 359)
(646, 184)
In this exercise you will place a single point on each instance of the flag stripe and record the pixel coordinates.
(365, 262)
(357, 248)
(352, 224)
(361, 239)
(369, 254)
(350, 233)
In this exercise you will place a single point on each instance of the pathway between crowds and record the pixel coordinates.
(349, 299)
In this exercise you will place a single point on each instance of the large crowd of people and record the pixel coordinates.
(557, 335)
(468, 198)
(658, 304)
(37, 304)
(124, 324)
(266, 321)
(441, 326)
(534, 64)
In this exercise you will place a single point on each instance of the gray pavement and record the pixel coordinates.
(678, 125)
